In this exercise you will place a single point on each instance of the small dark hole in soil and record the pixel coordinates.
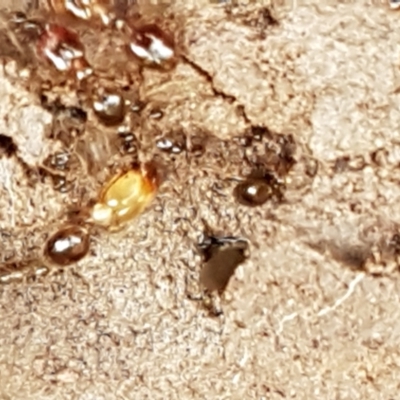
(222, 255)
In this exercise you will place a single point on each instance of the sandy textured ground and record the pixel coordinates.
(301, 318)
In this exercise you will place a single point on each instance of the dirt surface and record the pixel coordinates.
(311, 313)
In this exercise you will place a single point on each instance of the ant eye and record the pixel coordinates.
(152, 45)
(64, 50)
(68, 245)
(124, 197)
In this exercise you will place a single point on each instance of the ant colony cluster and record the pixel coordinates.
(127, 194)
(130, 192)
(59, 46)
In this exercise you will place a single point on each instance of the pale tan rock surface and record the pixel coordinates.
(299, 321)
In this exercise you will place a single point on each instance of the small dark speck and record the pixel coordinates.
(60, 184)
(258, 132)
(341, 164)
(395, 243)
(311, 167)
(18, 17)
(257, 189)
(7, 146)
(245, 141)
(78, 114)
(267, 17)
(353, 256)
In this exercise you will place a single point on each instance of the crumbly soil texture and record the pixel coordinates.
(302, 284)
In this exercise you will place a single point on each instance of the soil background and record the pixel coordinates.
(312, 313)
